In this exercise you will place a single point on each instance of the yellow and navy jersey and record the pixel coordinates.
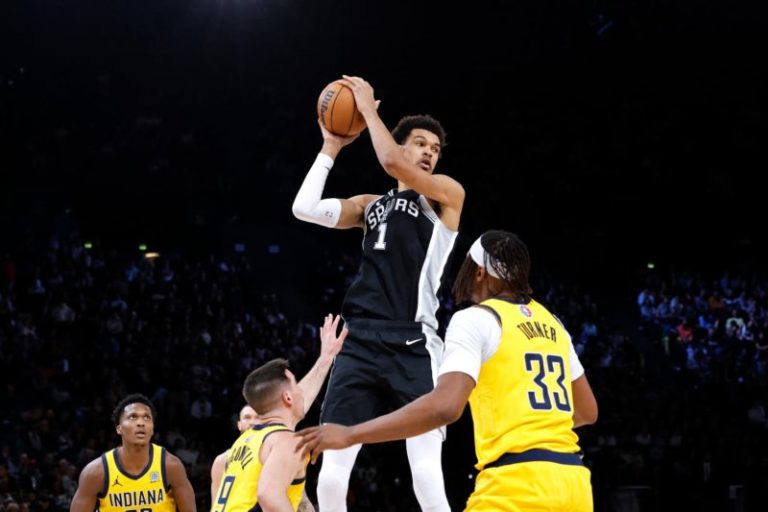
(523, 399)
(238, 488)
(146, 492)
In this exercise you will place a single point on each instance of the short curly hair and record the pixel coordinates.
(135, 398)
(409, 123)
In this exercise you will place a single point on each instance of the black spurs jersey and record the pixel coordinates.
(405, 250)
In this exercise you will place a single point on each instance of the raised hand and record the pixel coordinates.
(334, 140)
(330, 343)
(363, 92)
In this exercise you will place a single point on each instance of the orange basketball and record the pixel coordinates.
(337, 110)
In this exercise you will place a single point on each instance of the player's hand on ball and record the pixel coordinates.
(330, 343)
(315, 440)
(337, 140)
(363, 92)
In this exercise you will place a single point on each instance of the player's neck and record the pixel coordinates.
(134, 457)
(277, 417)
(402, 186)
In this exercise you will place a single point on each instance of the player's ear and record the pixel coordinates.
(119, 429)
(287, 397)
(480, 273)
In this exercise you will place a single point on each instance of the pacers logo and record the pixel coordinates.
(526, 311)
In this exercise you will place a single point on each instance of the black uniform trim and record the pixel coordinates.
(163, 471)
(143, 471)
(570, 459)
(265, 425)
(103, 493)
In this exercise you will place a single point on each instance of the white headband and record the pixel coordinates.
(482, 258)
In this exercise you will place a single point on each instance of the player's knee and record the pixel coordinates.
(332, 477)
(427, 473)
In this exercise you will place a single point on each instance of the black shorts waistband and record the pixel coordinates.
(570, 459)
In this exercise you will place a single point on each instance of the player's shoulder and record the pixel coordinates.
(171, 459)
(94, 472)
(280, 440)
(476, 316)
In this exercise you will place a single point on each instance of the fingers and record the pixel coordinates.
(335, 324)
(354, 81)
(343, 335)
(309, 443)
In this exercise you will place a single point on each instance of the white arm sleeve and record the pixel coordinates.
(472, 337)
(577, 370)
(308, 205)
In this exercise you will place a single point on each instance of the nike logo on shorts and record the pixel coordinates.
(411, 342)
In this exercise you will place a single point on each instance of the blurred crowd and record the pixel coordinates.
(681, 390)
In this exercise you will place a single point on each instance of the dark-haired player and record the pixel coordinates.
(393, 351)
(137, 476)
(514, 362)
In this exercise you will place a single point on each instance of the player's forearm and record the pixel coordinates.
(313, 380)
(331, 149)
(387, 150)
(422, 415)
(309, 205)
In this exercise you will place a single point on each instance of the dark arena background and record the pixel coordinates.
(624, 141)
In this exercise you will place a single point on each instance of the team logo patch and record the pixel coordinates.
(154, 476)
(526, 311)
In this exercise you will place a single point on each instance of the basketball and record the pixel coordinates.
(337, 110)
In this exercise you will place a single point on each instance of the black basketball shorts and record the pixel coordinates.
(382, 366)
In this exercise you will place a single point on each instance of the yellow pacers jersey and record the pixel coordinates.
(522, 400)
(238, 487)
(146, 492)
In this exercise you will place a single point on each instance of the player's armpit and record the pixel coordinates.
(353, 210)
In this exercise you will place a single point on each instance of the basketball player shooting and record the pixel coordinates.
(392, 352)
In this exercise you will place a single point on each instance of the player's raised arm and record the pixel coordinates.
(330, 345)
(441, 188)
(309, 204)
